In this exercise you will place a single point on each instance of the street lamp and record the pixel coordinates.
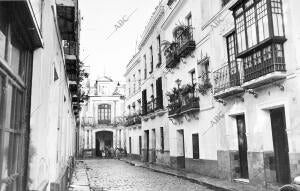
(178, 82)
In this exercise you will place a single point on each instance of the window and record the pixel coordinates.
(170, 2)
(151, 62)
(252, 20)
(140, 145)
(193, 77)
(233, 67)
(195, 138)
(144, 102)
(145, 67)
(134, 81)
(129, 145)
(159, 50)
(88, 139)
(204, 70)
(224, 2)
(140, 78)
(159, 94)
(129, 90)
(162, 139)
(104, 114)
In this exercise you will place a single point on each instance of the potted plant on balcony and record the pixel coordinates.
(206, 85)
(170, 52)
(183, 35)
(174, 101)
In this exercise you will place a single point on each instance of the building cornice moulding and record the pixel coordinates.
(156, 17)
(131, 65)
(170, 16)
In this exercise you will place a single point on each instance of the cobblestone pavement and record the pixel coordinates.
(114, 175)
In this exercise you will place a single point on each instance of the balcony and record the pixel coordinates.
(183, 100)
(190, 105)
(228, 79)
(172, 58)
(93, 122)
(104, 122)
(70, 49)
(151, 106)
(66, 18)
(174, 109)
(72, 77)
(133, 120)
(88, 121)
(185, 41)
(264, 66)
(158, 104)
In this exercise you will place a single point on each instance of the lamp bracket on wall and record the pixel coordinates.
(221, 101)
(252, 92)
(183, 60)
(280, 86)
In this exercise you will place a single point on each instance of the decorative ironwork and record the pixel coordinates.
(228, 76)
(172, 58)
(70, 47)
(185, 41)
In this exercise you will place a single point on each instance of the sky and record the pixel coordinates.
(106, 53)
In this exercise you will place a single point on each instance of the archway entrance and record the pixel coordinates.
(103, 139)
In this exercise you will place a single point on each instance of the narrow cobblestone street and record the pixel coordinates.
(110, 175)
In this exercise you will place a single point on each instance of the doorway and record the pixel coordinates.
(280, 144)
(104, 139)
(153, 150)
(242, 145)
(180, 149)
(147, 145)
(129, 145)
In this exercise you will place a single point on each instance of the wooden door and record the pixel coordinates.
(243, 148)
(280, 143)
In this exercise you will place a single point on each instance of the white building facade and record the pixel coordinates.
(101, 116)
(132, 130)
(229, 73)
(155, 142)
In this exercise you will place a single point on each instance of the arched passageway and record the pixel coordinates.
(103, 139)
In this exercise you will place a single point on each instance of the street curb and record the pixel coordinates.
(208, 185)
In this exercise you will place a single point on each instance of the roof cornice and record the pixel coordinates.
(156, 17)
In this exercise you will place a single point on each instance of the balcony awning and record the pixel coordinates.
(66, 19)
(24, 8)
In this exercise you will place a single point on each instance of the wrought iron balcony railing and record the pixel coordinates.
(172, 58)
(151, 106)
(174, 108)
(134, 119)
(92, 121)
(228, 77)
(158, 103)
(72, 77)
(190, 104)
(70, 47)
(186, 43)
(184, 100)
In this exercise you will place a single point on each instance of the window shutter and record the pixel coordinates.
(144, 102)
(159, 93)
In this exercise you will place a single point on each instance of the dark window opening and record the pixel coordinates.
(162, 139)
(104, 114)
(195, 139)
